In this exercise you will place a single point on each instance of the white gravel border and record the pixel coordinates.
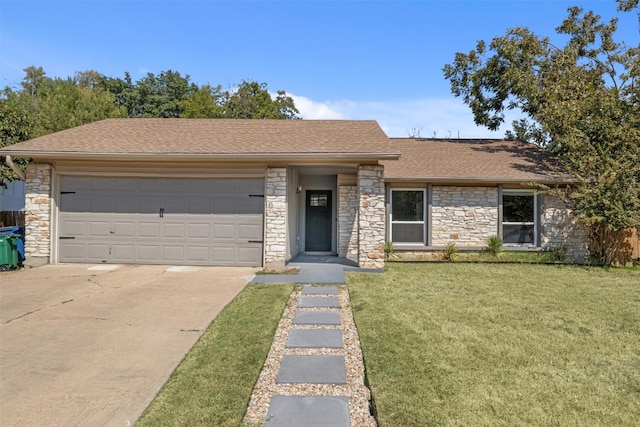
(357, 393)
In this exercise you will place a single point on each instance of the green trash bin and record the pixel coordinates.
(8, 251)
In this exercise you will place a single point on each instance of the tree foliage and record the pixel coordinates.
(43, 105)
(580, 100)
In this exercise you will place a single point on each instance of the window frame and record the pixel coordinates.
(535, 222)
(424, 216)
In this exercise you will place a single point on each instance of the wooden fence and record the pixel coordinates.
(634, 242)
(11, 218)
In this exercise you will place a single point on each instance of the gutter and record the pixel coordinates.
(9, 161)
(62, 155)
(482, 180)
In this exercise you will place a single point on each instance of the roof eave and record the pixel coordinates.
(178, 157)
(480, 180)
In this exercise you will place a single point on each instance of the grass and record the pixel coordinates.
(213, 384)
(500, 344)
(506, 256)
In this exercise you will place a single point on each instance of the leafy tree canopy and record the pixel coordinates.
(580, 100)
(43, 105)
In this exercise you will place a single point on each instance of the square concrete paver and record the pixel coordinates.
(319, 290)
(314, 338)
(288, 411)
(312, 370)
(316, 318)
(318, 302)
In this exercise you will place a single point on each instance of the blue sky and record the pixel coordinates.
(379, 60)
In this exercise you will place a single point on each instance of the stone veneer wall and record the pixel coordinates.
(371, 216)
(275, 233)
(467, 216)
(38, 213)
(559, 228)
(347, 221)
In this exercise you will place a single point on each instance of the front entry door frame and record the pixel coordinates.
(318, 220)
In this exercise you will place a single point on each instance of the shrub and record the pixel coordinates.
(388, 250)
(450, 252)
(558, 253)
(494, 246)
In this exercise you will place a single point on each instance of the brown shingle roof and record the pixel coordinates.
(211, 136)
(421, 159)
(469, 160)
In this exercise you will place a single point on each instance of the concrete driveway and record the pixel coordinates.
(92, 345)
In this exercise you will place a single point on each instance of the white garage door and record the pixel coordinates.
(214, 221)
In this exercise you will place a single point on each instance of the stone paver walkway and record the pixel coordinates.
(314, 373)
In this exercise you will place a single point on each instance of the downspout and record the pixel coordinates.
(9, 161)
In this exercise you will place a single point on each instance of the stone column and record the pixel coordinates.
(275, 232)
(371, 216)
(38, 214)
(347, 221)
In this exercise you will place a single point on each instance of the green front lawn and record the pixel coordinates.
(500, 344)
(213, 384)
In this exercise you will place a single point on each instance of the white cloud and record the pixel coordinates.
(430, 117)
(312, 110)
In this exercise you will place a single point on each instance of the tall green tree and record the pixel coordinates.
(252, 100)
(46, 105)
(205, 103)
(163, 95)
(580, 100)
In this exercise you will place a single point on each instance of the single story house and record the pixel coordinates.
(259, 192)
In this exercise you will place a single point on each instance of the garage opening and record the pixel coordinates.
(177, 221)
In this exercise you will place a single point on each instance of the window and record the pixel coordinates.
(408, 216)
(318, 199)
(519, 223)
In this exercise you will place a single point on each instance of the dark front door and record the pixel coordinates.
(318, 221)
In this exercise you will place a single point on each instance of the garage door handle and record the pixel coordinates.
(256, 241)
(67, 237)
(161, 212)
(256, 195)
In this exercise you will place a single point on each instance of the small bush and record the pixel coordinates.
(388, 250)
(494, 246)
(558, 253)
(450, 252)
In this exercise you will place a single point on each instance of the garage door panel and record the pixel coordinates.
(173, 253)
(98, 251)
(173, 230)
(102, 184)
(199, 231)
(225, 206)
(123, 252)
(250, 231)
(248, 253)
(103, 204)
(251, 186)
(198, 254)
(73, 228)
(99, 229)
(148, 252)
(223, 254)
(224, 231)
(72, 203)
(74, 251)
(200, 207)
(149, 230)
(124, 229)
(126, 205)
(205, 221)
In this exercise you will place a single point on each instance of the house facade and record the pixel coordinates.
(260, 192)
(465, 191)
